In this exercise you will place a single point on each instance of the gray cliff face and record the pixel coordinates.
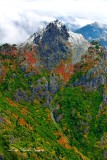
(95, 77)
(52, 45)
(79, 46)
(56, 43)
(46, 89)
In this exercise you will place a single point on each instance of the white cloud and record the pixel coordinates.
(20, 18)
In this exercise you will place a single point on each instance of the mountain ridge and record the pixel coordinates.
(52, 106)
(94, 31)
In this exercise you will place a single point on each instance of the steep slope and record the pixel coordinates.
(95, 31)
(80, 108)
(55, 43)
(79, 46)
(53, 98)
(28, 132)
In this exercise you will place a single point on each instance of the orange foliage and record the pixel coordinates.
(14, 115)
(23, 123)
(65, 143)
(24, 111)
(63, 140)
(7, 121)
(11, 102)
(57, 133)
(30, 58)
(30, 55)
(65, 70)
(48, 114)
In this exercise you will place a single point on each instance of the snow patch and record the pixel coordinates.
(77, 39)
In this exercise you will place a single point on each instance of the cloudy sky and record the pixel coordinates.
(21, 18)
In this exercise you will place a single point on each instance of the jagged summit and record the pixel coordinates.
(45, 96)
(56, 42)
(53, 29)
(56, 23)
(53, 26)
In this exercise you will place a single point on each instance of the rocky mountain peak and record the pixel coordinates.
(57, 26)
(56, 43)
(52, 44)
(55, 23)
(53, 29)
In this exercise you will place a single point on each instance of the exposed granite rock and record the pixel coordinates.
(57, 116)
(56, 43)
(45, 89)
(53, 46)
(55, 84)
(20, 95)
(92, 83)
(41, 91)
